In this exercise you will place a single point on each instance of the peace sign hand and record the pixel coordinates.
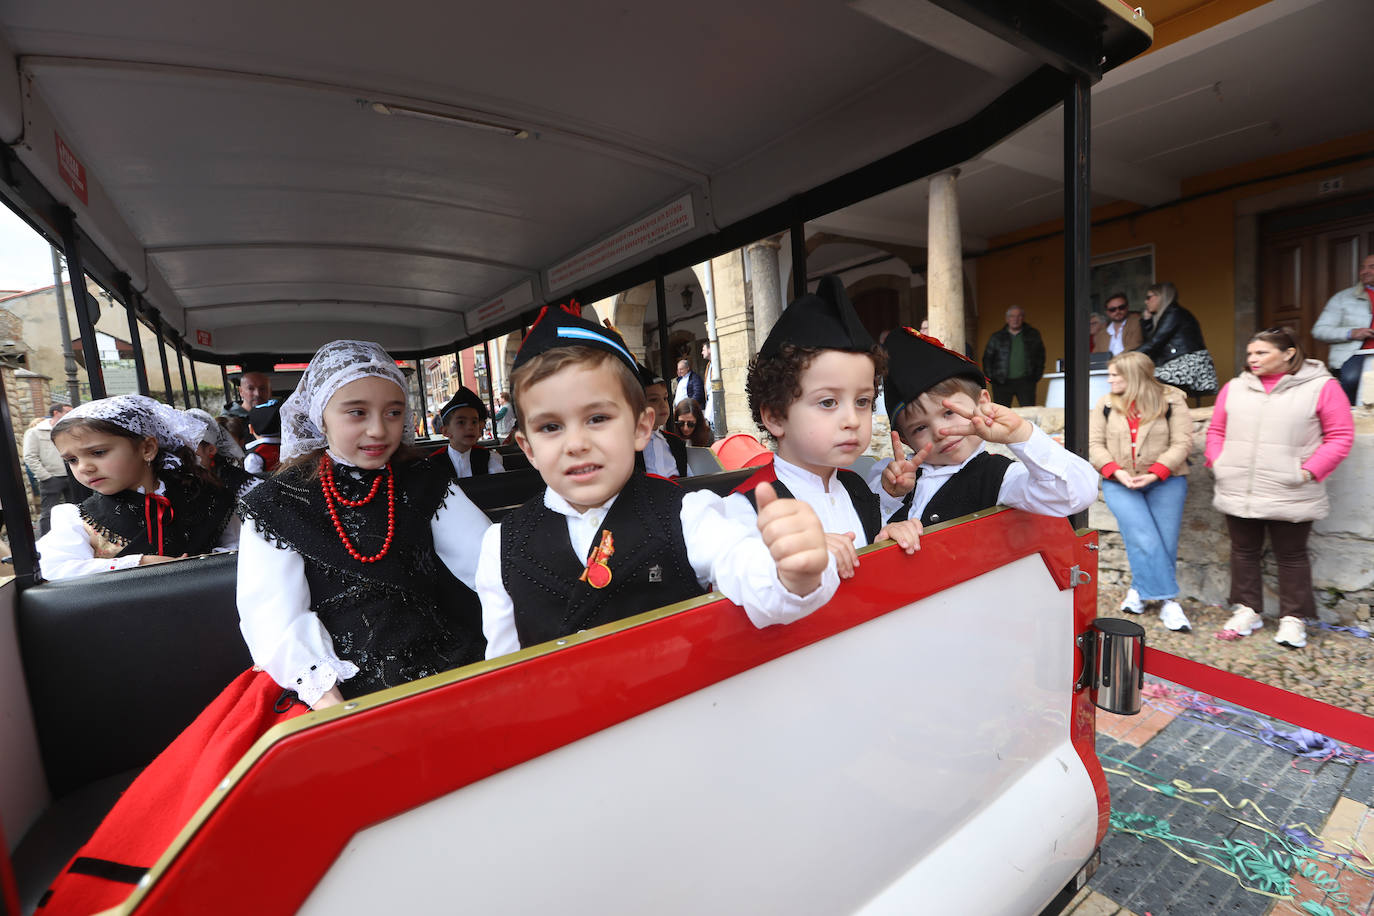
(899, 477)
(988, 421)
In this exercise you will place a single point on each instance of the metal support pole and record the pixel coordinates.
(162, 354)
(799, 282)
(1077, 260)
(195, 385)
(181, 369)
(130, 298)
(224, 377)
(491, 385)
(68, 354)
(18, 522)
(664, 357)
(717, 398)
(424, 398)
(81, 299)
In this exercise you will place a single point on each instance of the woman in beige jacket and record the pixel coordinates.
(1139, 437)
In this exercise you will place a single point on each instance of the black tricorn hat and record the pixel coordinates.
(917, 363)
(649, 377)
(463, 397)
(564, 326)
(265, 419)
(824, 319)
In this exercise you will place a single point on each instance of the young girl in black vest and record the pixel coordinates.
(152, 502)
(219, 454)
(340, 589)
(340, 593)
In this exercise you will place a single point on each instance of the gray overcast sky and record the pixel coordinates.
(25, 262)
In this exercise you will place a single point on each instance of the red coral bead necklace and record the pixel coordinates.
(333, 496)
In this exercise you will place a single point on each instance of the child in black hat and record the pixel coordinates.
(461, 421)
(939, 407)
(812, 389)
(603, 542)
(666, 453)
(263, 454)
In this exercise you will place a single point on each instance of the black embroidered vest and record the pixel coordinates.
(974, 488)
(194, 524)
(649, 568)
(401, 618)
(864, 500)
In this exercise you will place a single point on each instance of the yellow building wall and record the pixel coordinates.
(1194, 247)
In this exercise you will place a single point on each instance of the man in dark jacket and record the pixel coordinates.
(1014, 360)
(689, 385)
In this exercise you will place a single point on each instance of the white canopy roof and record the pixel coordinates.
(416, 173)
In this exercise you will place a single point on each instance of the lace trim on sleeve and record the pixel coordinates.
(315, 681)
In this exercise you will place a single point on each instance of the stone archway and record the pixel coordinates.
(627, 314)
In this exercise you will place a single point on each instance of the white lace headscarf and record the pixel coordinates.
(216, 435)
(145, 417)
(334, 365)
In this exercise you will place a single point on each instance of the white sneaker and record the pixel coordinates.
(1292, 632)
(1132, 604)
(1243, 621)
(1172, 616)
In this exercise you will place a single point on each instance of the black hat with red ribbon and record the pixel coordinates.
(563, 326)
(917, 363)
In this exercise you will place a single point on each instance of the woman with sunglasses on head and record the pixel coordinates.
(1173, 341)
(689, 422)
(1278, 431)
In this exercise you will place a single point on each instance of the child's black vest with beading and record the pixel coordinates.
(973, 488)
(649, 567)
(401, 618)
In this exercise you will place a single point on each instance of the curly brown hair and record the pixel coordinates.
(776, 381)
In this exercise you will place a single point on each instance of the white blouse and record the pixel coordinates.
(287, 639)
(720, 549)
(828, 497)
(65, 552)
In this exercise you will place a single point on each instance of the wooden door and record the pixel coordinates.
(878, 310)
(1306, 256)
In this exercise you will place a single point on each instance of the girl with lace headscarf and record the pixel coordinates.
(340, 593)
(218, 453)
(340, 589)
(152, 502)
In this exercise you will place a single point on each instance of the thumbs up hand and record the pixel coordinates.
(795, 539)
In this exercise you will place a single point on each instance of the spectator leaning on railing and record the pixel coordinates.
(1139, 437)
(1347, 323)
(1278, 430)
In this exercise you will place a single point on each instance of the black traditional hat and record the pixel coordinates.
(649, 377)
(824, 319)
(265, 419)
(917, 363)
(564, 326)
(463, 397)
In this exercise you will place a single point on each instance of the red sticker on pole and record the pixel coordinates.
(70, 168)
(203, 339)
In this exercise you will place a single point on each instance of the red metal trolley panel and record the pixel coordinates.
(322, 783)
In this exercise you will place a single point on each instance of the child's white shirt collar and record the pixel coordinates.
(790, 473)
(160, 491)
(948, 470)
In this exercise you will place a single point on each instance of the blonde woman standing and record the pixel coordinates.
(1139, 436)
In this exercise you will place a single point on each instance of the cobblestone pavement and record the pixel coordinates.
(1336, 668)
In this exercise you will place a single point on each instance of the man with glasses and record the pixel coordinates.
(1122, 331)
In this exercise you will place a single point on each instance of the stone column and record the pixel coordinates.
(945, 263)
(734, 334)
(763, 271)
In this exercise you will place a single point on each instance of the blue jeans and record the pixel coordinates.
(1150, 519)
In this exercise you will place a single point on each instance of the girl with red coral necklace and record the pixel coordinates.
(340, 588)
(341, 591)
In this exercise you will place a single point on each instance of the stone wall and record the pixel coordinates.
(1341, 547)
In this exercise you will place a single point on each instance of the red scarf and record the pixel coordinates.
(164, 505)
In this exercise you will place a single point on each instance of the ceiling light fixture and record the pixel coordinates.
(422, 114)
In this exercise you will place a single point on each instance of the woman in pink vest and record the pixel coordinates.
(1278, 430)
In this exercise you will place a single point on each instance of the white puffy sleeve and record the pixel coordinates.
(498, 610)
(1048, 479)
(725, 551)
(458, 528)
(494, 463)
(285, 637)
(65, 552)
